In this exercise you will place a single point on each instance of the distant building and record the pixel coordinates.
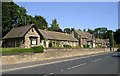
(100, 43)
(107, 42)
(57, 37)
(84, 38)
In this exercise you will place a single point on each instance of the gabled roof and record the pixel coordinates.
(86, 35)
(100, 41)
(106, 40)
(57, 35)
(18, 32)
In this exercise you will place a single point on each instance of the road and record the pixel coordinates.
(100, 64)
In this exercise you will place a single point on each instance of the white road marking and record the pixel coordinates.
(51, 73)
(96, 60)
(50, 63)
(84, 63)
(70, 68)
(77, 66)
(61, 70)
(48, 74)
(107, 57)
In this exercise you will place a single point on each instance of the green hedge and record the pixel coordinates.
(14, 51)
(38, 49)
(66, 46)
(118, 45)
(86, 46)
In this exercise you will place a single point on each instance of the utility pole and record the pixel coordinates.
(113, 40)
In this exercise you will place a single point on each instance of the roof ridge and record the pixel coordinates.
(54, 31)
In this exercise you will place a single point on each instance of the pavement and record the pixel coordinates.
(105, 63)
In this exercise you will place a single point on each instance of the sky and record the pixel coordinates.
(78, 15)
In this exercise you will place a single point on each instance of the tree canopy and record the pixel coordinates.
(67, 30)
(54, 25)
(15, 16)
(41, 22)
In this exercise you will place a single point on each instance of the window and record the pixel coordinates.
(33, 41)
(32, 30)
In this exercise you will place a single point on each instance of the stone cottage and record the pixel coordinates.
(55, 38)
(29, 36)
(85, 38)
(100, 43)
(24, 36)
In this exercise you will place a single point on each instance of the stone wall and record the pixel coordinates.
(49, 54)
(34, 33)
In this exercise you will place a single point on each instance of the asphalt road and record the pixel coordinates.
(100, 64)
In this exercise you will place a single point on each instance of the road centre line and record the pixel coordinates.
(96, 60)
(48, 74)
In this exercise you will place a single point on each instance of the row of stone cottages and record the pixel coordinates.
(29, 36)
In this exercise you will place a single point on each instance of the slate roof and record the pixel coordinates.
(17, 32)
(57, 35)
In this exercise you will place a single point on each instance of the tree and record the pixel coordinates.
(12, 16)
(54, 25)
(15, 16)
(109, 35)
(67, 30)
(100, 32)
(117, 36)
(90, 31)
(84, 30)
(59, 30)
(41, 22)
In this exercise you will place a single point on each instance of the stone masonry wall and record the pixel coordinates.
(49, 54)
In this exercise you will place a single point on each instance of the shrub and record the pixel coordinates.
(66, 46)
(38, 49)
(118, 45)
(13, 51)
(86, 46)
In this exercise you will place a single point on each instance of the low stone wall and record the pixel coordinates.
(49, 54)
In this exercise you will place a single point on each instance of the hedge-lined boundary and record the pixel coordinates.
(14, 51)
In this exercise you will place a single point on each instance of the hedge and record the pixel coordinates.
(14, 51)
(66, 46)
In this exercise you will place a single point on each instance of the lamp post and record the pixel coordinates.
(79, 39)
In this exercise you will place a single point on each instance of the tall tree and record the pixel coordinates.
(41, 22)
(100, 32)
(12, 16)
(54, 25)
(90, 31)
(117, 36)
(109, 35)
